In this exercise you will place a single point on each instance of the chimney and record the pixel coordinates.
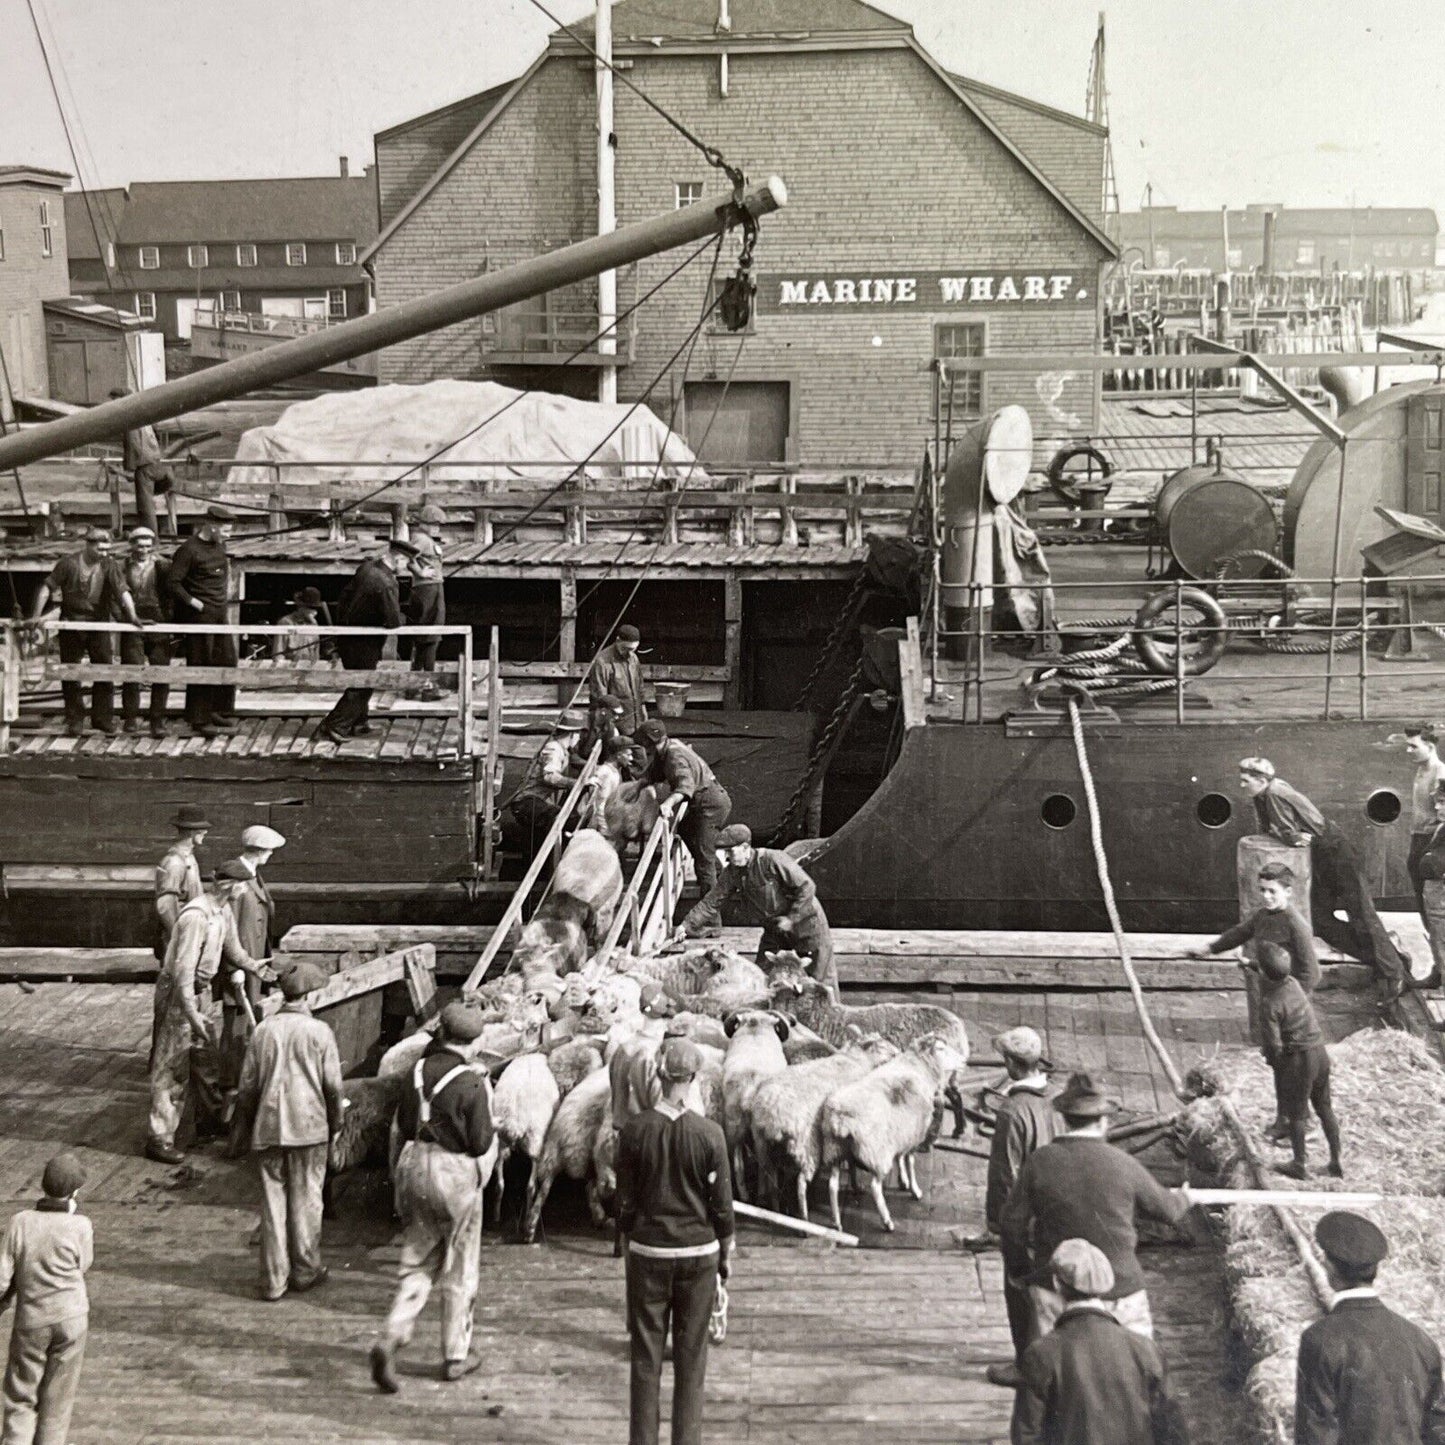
(345, 168)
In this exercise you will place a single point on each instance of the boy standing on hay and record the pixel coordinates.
(1295, 1049)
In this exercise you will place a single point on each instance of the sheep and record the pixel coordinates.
(729, 985)
(785, 1109)
(504, 1037)
(523, 1102)
(572, 1061)
(568, 1149)
(803, 1045)
(899, 1023)
(576, 913)
(877, 1121)
(622, 810)
(364, 1139)
(755, 1050)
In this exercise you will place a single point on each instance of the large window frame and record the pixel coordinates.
(962, 338)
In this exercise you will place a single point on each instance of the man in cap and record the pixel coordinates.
(200, 581)
(426, 603)
(616, 672)
(675, 1211)
(145, 580)
(775, 887)
(687, 779)
(184, 1061)
(1081, 1186)
(301, 644)
(43, 1259)
(86, 587)
(550, 775)
(1025, 1121)
(371, 599)
(150, 470)
(445, 1117)
(604, 725)
(1092, 1382)
(1366, 1375)
(289, 1106)
(1338, 874)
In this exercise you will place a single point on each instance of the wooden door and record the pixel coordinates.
(746, 423)
(67, 372)
(1425, 455)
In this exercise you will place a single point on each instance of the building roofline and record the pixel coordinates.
(1028, 103)
(19, 175)
(412, 122)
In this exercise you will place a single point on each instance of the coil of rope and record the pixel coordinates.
(1282, 639)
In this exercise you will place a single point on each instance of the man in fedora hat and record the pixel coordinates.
(301, 644)
(1080, 1186)
(1024, 1122)
(1090, 1381)
(178, 874)
(43, 1259)
(550, 775)
(288, 1108)
(371, 599)
(1365, 1374)
(145, 580)
(688, 779)
(616, 672)
(200, 580)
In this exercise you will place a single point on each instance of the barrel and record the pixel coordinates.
(1206, 515)
(1253, 852)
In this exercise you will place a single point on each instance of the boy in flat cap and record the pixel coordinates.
(43, 1259)
(1090, 1381)
(445, 1116)
(288, 1108)
(200, 580)
(1366, 1376)
(616, 672)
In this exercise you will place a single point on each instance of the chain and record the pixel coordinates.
(841, 624)
(820, 749)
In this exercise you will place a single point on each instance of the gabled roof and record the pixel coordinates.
(105, 209)
(698, 19)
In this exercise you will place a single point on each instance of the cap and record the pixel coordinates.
(628, 633)
(307, 597)
(652, 733)
(400, 544)
(1274, 960)
(1260, 767)
(461, 1023)
(217, 513)
(429, 515)
(1083, 1096)
(608, 701)
(678, 1059)
(569, 721)
(734, 835)
(142, 534)
(260, 836)
(1022, 1043)
(649, 994)
(208, 875)
(191, 818)
(301, 979)
(1082, 1267)
(233, 871)
(1351, 1239)
(63, 1175)
(97, 534)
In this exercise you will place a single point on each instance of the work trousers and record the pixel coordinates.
(236, 1034)
(291, 1180)
(41, 1378)
(425, 607)
(812, 939)
(137, 648)
(1339, 882)
(1419, 842)
(706, 814)
(1131, 1310)
(1019, 1306)
(439, 1199)
(184, 1066)
(353, 707)
(1302, 1082)
(205, 703)
(1434, 905)
(663, 1293)
(150, 479)
(77, 647)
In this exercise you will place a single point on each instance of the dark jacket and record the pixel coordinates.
(1367, 1376)
(619, 674)
(1431, 864)
(461, 1113)
(1285, 927)
(371, 599)
(151, 595)
(1092, 1382)
(85, 595)
(1287, 1022)
(199, 570)
(674, 1190)
(682, 770)
(1026, 1120)
(772, 885)
(1083, 1188)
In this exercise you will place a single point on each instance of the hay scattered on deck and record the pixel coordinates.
(1389, 1094)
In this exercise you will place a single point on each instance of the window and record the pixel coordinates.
(687, 193)
(1305, 254)
(230, 300)
(336, 304)
(295, 253)
(198, 256)
(145, 305)
(150, 257)
(246, 255)
(345, 253)
(961, 338)
(47, 235)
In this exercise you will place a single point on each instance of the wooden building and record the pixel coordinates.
(32, 271)
(94, 349)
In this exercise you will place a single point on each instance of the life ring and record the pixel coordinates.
(1058, 472)
(1161, 605)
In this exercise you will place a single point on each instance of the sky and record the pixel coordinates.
(1213, 102)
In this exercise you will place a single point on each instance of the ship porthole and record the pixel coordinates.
(1214, 810)
(1382, 806)
(1058, 811)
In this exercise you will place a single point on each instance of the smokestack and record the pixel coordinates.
(345, 168)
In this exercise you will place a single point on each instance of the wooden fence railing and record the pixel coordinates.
(646, 909)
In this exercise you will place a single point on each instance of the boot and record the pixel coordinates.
(163, 1153)
(383, 1368)
(456, 1369)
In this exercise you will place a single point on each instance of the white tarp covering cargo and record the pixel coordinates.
(489, 432)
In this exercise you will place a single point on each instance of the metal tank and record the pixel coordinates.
(1207, 514)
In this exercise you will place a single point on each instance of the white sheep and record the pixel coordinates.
(755, 1050)
(523, 1102)
(572, 1061)
(877, 1121)
(569, 1148)
(785, 1108)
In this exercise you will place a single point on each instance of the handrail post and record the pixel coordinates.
(1179, 652)
(464, 696)
(494, 735)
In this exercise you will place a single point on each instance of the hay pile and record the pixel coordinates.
(1389, 1094)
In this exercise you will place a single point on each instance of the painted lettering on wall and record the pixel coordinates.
(922, 290)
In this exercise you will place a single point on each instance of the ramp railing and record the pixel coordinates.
(648, 903)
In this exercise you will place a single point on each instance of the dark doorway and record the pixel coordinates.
(681, 622)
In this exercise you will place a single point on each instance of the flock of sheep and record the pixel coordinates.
(800, 1085)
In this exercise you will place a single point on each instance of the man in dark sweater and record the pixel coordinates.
(200, 577)
(1276, 921)
(675, 1211)
(445, 1116)
(1025, 1121)
(1092, 1382)
(687, 778)
(370, 599)
(1082, 1187)
(1367, 1376)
